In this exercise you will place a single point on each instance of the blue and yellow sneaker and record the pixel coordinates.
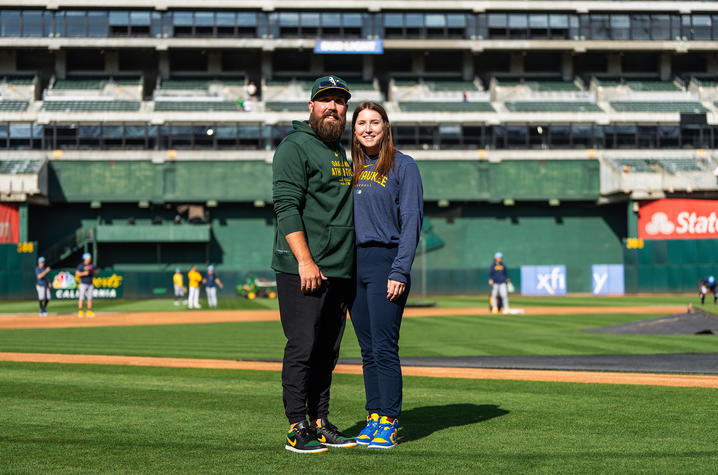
(367, 433)
(302, 439)
(385, 436)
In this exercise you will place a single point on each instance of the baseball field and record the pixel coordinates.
(148, 387)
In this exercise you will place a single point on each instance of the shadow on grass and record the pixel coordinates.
(420, 422)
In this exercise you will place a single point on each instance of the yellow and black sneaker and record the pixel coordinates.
(303, 440)
(329, 435)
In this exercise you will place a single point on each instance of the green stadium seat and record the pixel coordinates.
(188, 84)
(556, 86)
(13, 106)
(555, 106)
(634, 165)
(84, 84)
(674, 165)
(91, 106)
(20, 167)
(443, 85)
(286, 106)
(18, 80)
(192, 106)
(660, 86)
(442, 106)
(663, 106)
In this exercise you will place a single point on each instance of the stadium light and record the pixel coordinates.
(554, 202)
(443, 203)
(509, 202)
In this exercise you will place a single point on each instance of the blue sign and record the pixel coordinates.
(607, 279)
(543, 280)
(348, 47)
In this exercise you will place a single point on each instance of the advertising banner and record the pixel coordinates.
(348, 47)
(607, 279)
(543, 280)
(678, 219)
(9, 223)
(108, 285)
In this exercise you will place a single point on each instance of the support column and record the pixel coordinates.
(317, 62)
(112, 62)
(614, 64)
(367, 73)
(467, 68)
(665, 67)
(163, 64)
(267, 71)
(632, 215)
(23, 225)
(60, 64)
(712, 64)
(417, 63)
(567, 66)
(214, 62)
(8, 61)
(517, 63)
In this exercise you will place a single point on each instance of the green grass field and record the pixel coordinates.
(82, 418)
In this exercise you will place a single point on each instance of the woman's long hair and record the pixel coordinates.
(386, 148)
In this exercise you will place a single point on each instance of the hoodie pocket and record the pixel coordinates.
(338, 250)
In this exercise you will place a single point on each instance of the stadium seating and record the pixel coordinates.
(90, 106)
(554, 106)
(426, 106)
(193, 106)
(676, 165)
(651, 85)
(634, 165)
(656, 106)
(276, 106)
(439, 85)
(20, 167)
(13, 106)
(189, 84)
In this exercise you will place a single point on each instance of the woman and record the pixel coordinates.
(388, 208)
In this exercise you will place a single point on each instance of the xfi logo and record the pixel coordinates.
(543, 280)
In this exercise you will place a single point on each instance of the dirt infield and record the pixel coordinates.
(8, 322)
(640, 379)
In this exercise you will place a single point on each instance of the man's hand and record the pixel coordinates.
(310, 277)
(394, 289)
(491, 281)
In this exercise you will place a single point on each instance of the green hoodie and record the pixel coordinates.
(311, 189)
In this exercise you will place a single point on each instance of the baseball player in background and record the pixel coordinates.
(498, 280)
(705, 285)
(85, 272)
(42, 285)
(178, 281)
(194, 279)
(210, 286)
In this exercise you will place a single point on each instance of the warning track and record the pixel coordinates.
(640, 379)
(8, 322)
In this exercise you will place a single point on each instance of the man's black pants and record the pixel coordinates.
(314, 326)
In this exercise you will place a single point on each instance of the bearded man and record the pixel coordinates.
(314, 259)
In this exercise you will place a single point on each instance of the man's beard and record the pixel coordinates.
(329, 132)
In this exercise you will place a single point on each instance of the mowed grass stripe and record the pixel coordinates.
(485, 335)
(84, 418)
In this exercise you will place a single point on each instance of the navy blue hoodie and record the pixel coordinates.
(388, 210)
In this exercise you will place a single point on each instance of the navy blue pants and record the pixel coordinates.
(376, 323)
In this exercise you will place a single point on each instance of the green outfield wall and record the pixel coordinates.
(17, 271)
(248, 181)
(485, 207)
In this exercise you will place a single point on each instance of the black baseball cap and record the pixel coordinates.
(330, 83)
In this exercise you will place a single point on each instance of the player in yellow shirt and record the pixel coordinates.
(194, 279)
(178, 281)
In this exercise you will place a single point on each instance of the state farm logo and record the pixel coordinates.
(660, 224)
(687, 223)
